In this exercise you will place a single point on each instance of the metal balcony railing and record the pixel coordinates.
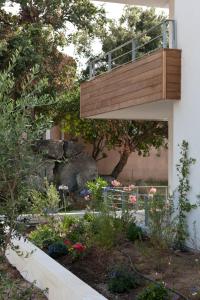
(160, 36)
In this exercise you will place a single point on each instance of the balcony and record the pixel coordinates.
(129, 76)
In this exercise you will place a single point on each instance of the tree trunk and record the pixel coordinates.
(121, 163)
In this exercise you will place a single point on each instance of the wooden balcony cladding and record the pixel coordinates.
(154, 77)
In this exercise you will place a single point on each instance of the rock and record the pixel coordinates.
(51, 149)
(76, 172)
(72, 149)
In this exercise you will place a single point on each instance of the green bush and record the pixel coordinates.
(43, 236)
(89, 217)
(96, 190)
(57, 249)
(66, 223)
(154, 292)
(106, 230)
(134, 232)
(122, 280)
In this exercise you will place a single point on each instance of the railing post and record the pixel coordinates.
(146, 211)
(91, 69)
(133, 52)
(109, 61)
(164, 34)
(174, 37)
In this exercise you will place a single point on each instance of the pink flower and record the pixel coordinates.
(79, 247)
(152, 190)
(132, 199)
(116, 183)
(87, 198)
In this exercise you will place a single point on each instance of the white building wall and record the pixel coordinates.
(186, 121)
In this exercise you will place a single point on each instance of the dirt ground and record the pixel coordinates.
(16, 285)
(178, 270)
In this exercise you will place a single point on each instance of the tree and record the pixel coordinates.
(40, 30)
(130, 136)
(19, 132)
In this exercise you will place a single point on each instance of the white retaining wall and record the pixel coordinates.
(36, 265)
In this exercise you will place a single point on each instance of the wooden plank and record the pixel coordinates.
(152, 78)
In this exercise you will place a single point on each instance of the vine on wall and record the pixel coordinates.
(184, 205)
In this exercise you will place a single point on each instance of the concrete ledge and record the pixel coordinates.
(36, 265)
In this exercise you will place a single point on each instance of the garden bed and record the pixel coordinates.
(179, 271)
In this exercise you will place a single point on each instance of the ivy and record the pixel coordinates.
(184, 205)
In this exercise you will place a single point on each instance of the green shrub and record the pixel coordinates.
(43, 236)
(57, 249)
(106, 230)
(122, 280)
(134, 232)
(96, 190)
(89, 217)
(154, 292)
(66, 223)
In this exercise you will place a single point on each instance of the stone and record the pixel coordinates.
(72, 149)
(76, 172)
(51, 149)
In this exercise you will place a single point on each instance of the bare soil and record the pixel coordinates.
(15, 279)
(178, 270)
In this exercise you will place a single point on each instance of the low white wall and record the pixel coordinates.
(35, 265)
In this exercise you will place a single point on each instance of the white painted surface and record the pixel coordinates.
(39, 267)
(159, 110)
(154, 3)
(187, 111)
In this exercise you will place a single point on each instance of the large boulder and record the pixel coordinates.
(51, 149)
(76, 172)
(72, 149)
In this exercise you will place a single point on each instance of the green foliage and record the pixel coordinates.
(122, 280)
(18, 132)
(57, 249)
(89, 217)
(184, 205)
(106, 230)
(43, 203)
(67, 222)
(13, 290)
(134, 232)
(40, 30)
(43, 236)
(96, 189)
(154, 292)
(162, 224)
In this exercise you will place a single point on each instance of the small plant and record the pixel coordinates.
(134, 232)
(57, 249)
(96, 191)
(66, 223)
(106, 230)
(43, 236)
(154, 292)
(122, 280)
(184, 205)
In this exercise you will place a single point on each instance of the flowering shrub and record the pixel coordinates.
(152, 191)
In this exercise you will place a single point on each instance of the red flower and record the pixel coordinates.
(67, 242)
(79, 247)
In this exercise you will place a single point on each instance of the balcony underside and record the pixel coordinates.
(154, 80)
(151, 3)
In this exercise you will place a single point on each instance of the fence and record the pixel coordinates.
(135, 200)
(162, 35)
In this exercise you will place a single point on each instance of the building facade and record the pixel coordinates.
(163, 85)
